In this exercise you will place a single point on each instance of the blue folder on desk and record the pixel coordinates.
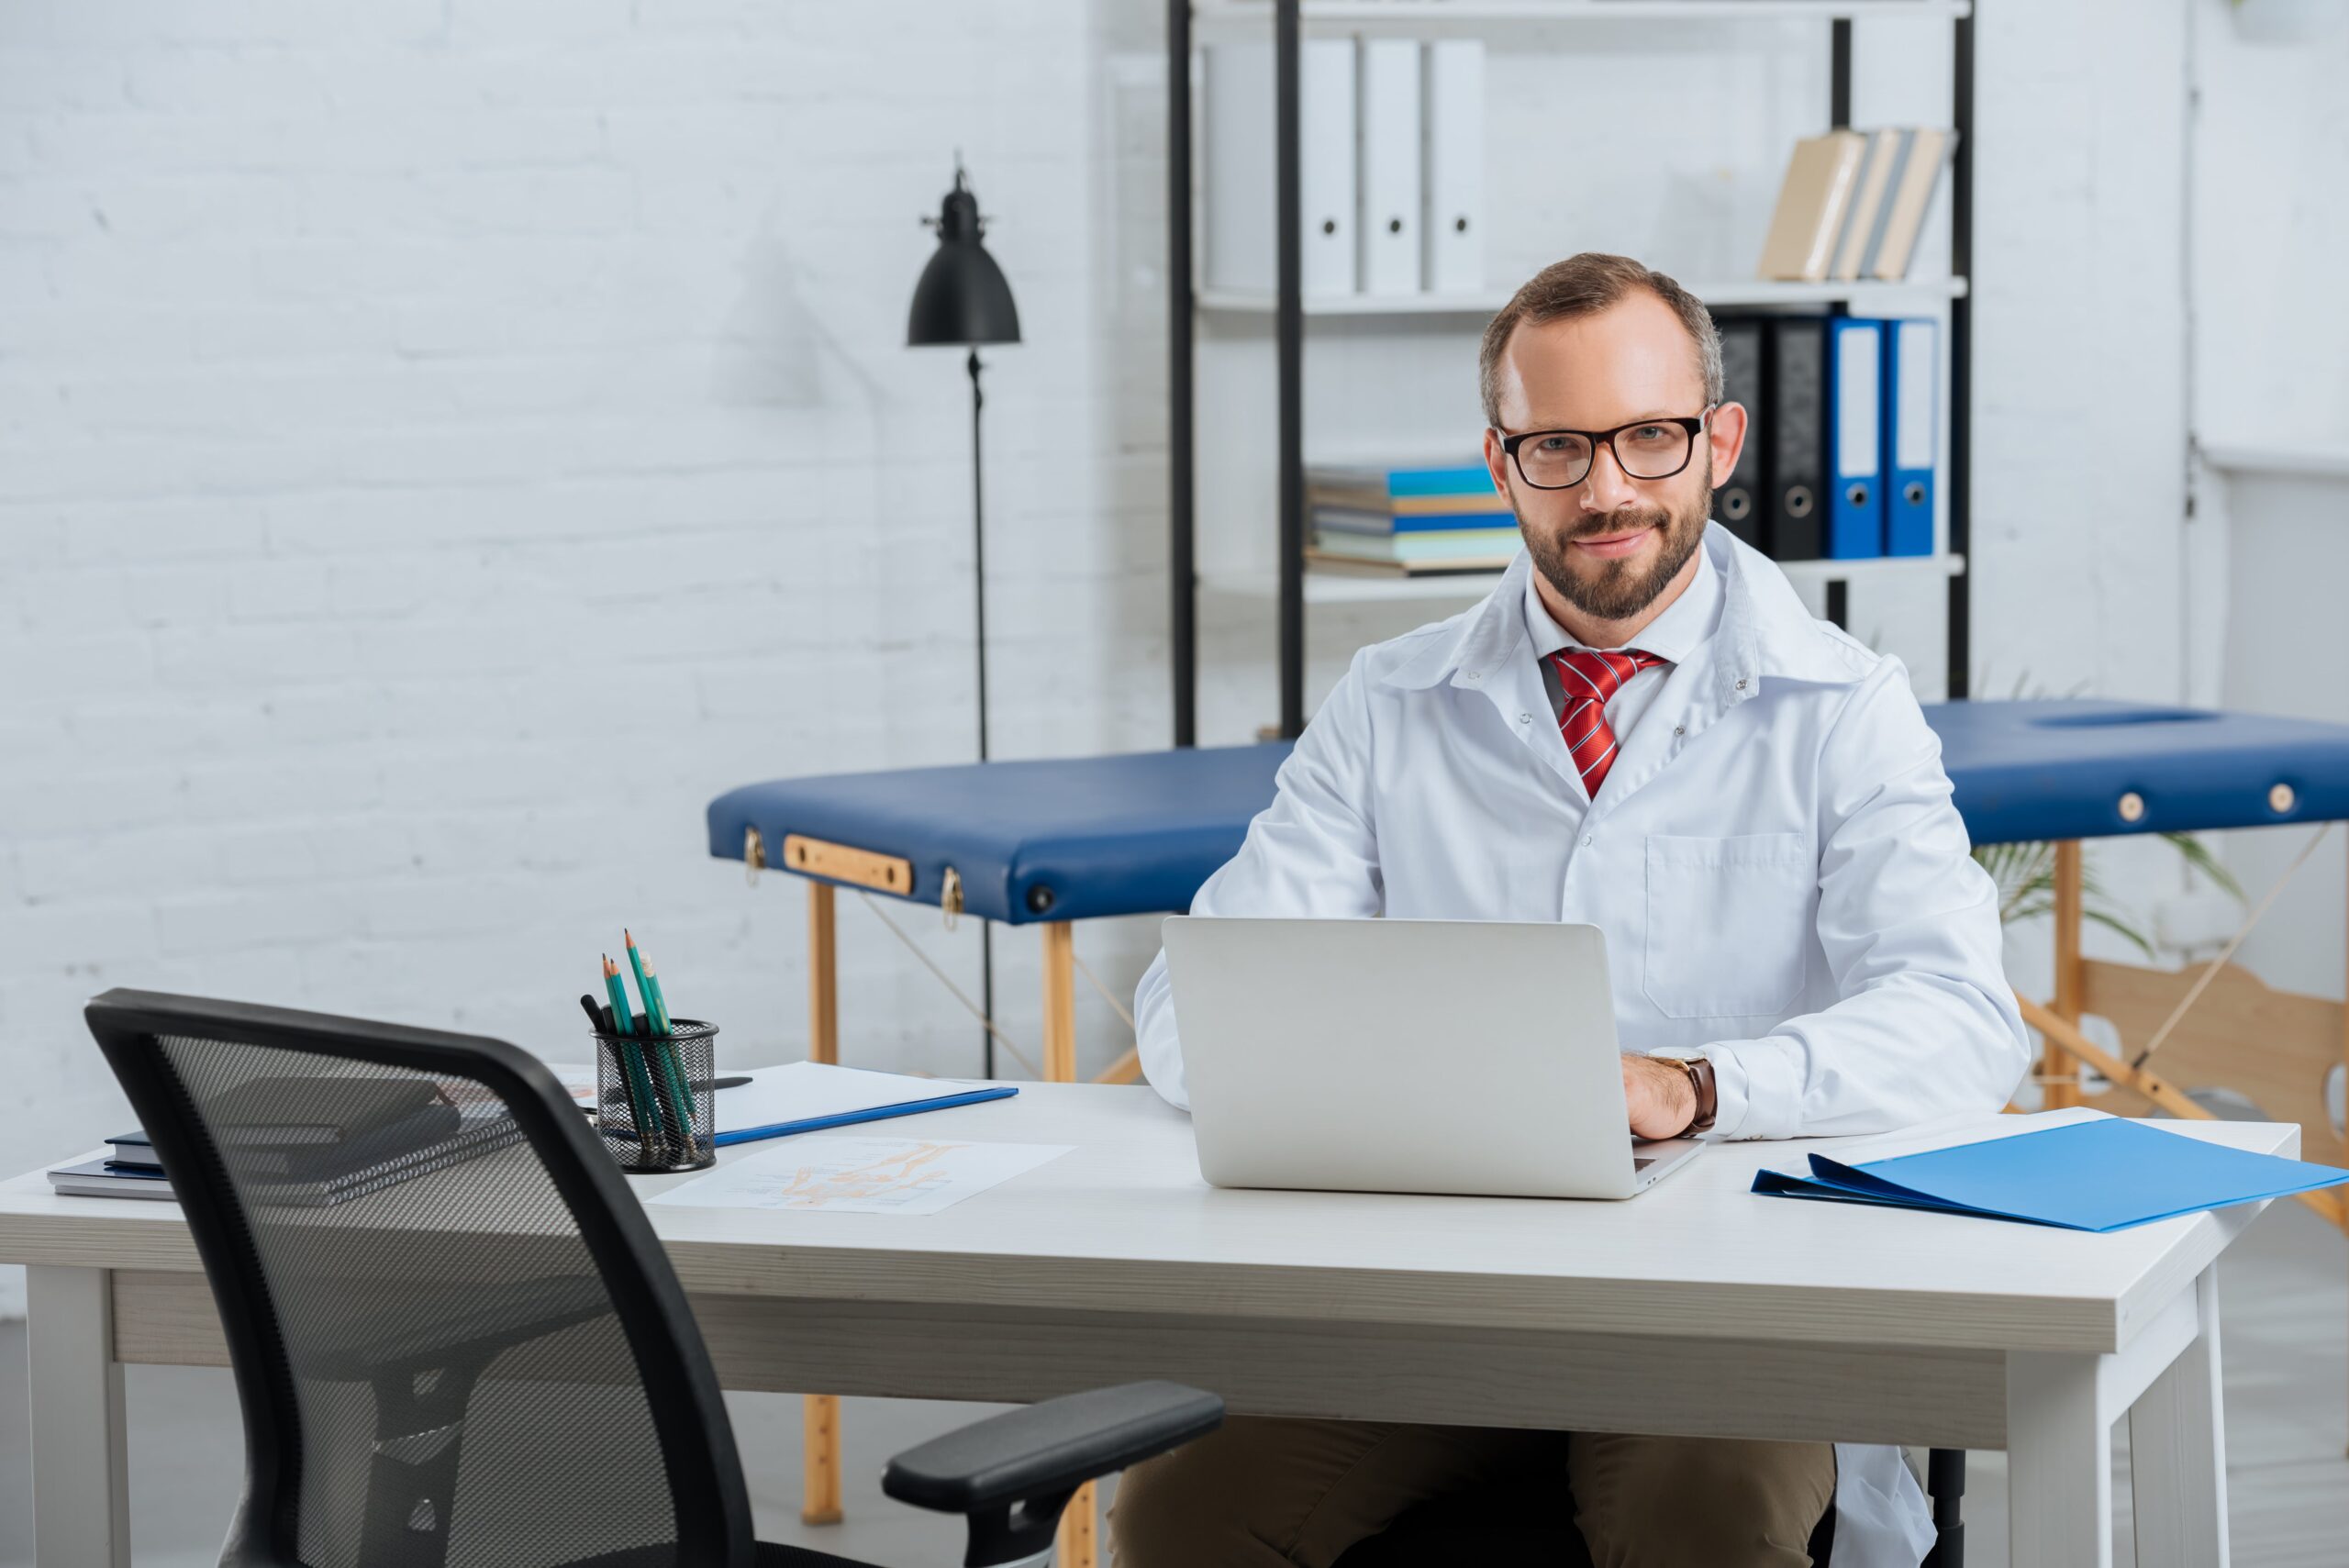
(2104, 1175)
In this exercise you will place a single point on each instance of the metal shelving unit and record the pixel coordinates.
(1191, 20)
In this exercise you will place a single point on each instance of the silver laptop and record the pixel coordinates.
(1415, 1056)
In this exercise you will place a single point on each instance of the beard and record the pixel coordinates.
(1616, 590)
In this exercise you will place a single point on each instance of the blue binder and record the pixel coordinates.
(1855, 442)
(1910, 435)
(2104, 1175)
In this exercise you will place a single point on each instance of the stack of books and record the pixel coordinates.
(1408, 521)
(1853, 204)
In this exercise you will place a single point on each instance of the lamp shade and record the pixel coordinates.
(962, 297)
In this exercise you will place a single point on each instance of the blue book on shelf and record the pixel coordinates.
(1472, 479)
(1355, 520)
(1409, 482)
(2106, 1174)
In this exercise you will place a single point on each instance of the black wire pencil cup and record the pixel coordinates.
(655, 1108)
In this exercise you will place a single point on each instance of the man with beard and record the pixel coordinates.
(1641, 728)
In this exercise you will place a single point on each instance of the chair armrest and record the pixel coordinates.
(1048, 1451)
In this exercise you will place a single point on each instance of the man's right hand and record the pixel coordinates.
(1657, 1092)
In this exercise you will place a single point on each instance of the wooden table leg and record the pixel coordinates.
(819, 1500)
(1059, 1004)
(1075, 1546)
(81, 1468)
(2059, 1070)
(823, 977)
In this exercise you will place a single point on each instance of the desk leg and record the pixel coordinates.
(819, 1415)
(80, 1471)
(2059, 1462)
(2177, 1451)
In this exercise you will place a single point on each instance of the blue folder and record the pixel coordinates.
(1909, 435)
(2104, 1175)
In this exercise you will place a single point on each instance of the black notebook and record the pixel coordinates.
(285, 1113)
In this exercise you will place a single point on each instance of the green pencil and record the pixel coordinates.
(656, 1021)
(642, 1103)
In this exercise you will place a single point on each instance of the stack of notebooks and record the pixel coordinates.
(1853, 204)
(280, 1151)
(1409, 521)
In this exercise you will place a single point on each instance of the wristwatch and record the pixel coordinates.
(1700, 1078)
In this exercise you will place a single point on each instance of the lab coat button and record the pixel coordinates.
(1525, 719)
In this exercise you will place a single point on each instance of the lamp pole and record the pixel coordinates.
(979, 587)
(963, 301)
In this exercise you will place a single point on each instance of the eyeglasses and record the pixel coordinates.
(1644, 449)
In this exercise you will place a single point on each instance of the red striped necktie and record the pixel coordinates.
(1590, 680)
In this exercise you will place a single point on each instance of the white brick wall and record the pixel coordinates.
(442, 445)
(443, 442)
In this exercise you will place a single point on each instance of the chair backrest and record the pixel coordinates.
(456, 1340)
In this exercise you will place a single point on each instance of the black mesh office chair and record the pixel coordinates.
(457, 1342)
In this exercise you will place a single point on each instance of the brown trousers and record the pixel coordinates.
(1262, 1492)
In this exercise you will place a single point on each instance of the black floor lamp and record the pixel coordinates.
(963, 301)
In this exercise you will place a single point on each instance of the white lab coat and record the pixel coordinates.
(1782, 881)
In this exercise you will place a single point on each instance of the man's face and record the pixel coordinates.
(1612, 543)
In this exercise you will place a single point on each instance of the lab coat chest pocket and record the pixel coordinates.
(1728, 923)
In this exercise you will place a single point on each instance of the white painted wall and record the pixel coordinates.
(2271, 392)
(442, 442)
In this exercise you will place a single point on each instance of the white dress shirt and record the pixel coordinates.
(1784, 884)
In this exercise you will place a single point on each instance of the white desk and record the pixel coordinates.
(1696, 1308)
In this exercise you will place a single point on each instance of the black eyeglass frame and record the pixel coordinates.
(1691, 428)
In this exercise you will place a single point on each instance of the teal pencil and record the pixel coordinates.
(643, 1104)
(656, 1020)
(643, 985)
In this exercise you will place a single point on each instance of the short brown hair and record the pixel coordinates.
(1584, 285)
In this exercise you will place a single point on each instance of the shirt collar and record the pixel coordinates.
(1684, 625)
(1762, 629)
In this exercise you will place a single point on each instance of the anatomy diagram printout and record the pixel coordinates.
(860, 1175)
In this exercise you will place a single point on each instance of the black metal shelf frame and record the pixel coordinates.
(1288, 333)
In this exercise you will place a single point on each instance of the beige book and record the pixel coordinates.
(1914, 192)
(1867, 203)
(1811, 204)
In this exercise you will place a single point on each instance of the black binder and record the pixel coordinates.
(1741, 502)
(1795, 372)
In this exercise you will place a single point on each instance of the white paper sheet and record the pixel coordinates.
(834, 1174)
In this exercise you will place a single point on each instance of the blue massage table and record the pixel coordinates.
(1052, 842)
(1049, 843)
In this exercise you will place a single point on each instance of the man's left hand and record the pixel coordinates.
(1661, 1099)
